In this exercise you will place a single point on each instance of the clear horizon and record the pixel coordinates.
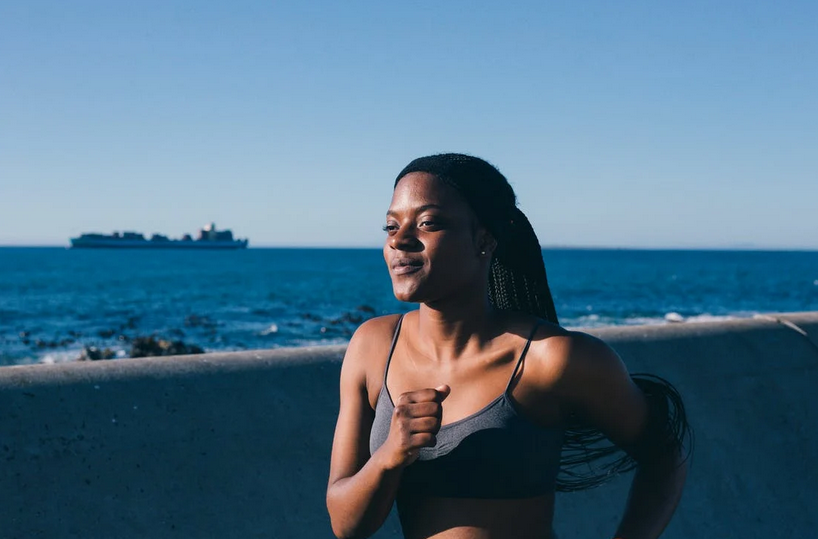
(749, 248)
(620, 126)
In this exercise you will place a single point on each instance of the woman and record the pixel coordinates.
(465, 410)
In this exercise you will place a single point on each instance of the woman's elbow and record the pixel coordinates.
(339, 519)
(342, 531)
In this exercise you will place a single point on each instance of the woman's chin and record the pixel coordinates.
(406, 294)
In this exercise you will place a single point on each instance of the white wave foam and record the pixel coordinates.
(273, 328)
(65, 356)
(596, 321)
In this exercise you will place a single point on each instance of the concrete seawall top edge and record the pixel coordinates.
(168, 366)
(197, 365)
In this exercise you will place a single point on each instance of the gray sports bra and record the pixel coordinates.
(493, 453)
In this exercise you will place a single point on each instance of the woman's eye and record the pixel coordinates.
(390, 229)
(428, 224)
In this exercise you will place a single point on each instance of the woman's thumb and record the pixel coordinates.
(443, 391)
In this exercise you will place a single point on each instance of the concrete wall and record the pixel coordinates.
(237, 445)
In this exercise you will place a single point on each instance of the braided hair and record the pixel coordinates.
(517, 282)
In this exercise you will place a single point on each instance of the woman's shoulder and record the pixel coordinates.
(368, 350)
(375, 331)
(572, 360)
(565, 345)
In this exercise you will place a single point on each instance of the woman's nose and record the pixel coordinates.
(404, 239)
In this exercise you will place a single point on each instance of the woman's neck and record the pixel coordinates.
(447, 332)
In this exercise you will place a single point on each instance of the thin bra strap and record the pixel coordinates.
(522, 355)
(392, 349)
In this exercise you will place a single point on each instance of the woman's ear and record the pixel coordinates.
(486, 244)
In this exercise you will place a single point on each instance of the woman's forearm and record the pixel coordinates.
(654, 495)
(358, 505)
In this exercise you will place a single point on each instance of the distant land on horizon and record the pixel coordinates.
(736, 247)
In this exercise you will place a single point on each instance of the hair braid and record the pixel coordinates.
(518, 276)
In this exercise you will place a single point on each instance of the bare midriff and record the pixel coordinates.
(468, 518)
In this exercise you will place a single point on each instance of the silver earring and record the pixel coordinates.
(482, 253)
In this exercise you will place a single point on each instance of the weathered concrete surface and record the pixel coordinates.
(237, 445)
(750, 390)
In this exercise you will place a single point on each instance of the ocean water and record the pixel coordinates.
(56, 301)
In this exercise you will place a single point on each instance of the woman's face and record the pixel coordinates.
(433, 241)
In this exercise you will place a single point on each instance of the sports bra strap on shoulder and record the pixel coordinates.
(522, 355)
(392, 347)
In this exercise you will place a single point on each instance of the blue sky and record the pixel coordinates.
(638, 124)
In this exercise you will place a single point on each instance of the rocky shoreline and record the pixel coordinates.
(197, 334)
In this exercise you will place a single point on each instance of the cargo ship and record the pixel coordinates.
(209, 238)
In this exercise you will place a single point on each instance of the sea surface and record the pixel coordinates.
(54, 302)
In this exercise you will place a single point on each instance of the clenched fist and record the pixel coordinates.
(415, 422)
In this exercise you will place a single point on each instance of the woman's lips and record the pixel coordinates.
(406, 266)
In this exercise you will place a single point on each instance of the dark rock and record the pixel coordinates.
(311, 317)
(151, 346)
(366, 309)
(145, 347)
(106, 333)
(92, 353)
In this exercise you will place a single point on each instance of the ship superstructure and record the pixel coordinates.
(209, 238)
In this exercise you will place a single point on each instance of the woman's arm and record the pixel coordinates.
(595, 384)
(361, 489)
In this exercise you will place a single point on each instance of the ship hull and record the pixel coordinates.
(83, 243)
